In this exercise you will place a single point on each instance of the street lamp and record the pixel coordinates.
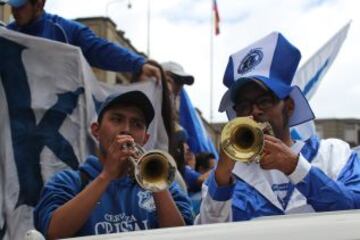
(148, 28)
(129, 5)
(114, 1)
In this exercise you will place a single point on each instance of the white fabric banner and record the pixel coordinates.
(48, 99)
(309, 76)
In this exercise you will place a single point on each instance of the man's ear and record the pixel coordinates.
(95, 130)
(146, 138)
(290, 106)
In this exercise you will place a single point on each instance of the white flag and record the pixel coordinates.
(48, 99)
(309, 76)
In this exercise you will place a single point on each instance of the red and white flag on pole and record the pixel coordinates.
(216, 18)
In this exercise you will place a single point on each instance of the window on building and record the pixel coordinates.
(320, 131)
(350, 134)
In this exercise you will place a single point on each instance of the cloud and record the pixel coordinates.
(186, 12)
(309, 4)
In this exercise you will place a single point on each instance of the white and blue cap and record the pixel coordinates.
(271, 61)
(16, 3)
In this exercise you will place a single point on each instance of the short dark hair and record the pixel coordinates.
(203, 160)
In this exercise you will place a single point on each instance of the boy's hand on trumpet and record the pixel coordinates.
(118, 154)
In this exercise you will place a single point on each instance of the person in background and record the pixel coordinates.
(292, 176)
(186, 161)
(102, 196)
(30, 18)
(205, 161)
(176, 78)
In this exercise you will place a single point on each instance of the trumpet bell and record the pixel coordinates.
(155, 170)
(242, 139)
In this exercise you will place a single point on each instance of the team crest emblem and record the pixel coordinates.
(252, 59)
(146, 201)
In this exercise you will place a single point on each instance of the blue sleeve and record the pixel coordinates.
(217, 193)
(183, 203)
(103, 54)
(325, 194)
(191, 177)
(61, 188)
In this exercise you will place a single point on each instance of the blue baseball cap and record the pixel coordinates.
(17, 3)
(133, 98)
(271, 61)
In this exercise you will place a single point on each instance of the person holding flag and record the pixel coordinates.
(30, 18)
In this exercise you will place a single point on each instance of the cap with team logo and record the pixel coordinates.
(271, 61)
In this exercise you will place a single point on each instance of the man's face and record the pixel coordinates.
(26, 14)
(120, 119)
(260, 103)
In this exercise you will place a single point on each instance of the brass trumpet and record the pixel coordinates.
(153, 170)
(242, 139)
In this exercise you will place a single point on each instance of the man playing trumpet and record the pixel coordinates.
(291, 176)
(102, 197)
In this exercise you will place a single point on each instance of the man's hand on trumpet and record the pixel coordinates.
(277, 155)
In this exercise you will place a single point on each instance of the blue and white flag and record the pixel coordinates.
(309, 76)
(48, 99)
(190, 120)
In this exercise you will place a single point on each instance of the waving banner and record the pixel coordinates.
(198, 141)
(309, 76)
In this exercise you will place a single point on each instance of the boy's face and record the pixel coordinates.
(119, 120)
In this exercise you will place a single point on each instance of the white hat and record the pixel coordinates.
(178, 70)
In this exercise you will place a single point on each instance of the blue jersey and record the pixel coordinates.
(123, 207)
(326, 178)
(98, 52)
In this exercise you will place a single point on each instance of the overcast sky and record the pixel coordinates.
(180, 31)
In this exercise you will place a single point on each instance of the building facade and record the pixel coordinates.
(346, 129)
(5, 13)
(104, 27)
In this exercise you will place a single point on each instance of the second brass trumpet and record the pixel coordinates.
(242, 139)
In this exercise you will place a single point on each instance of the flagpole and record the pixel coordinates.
(211, 60)
(148, 28)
